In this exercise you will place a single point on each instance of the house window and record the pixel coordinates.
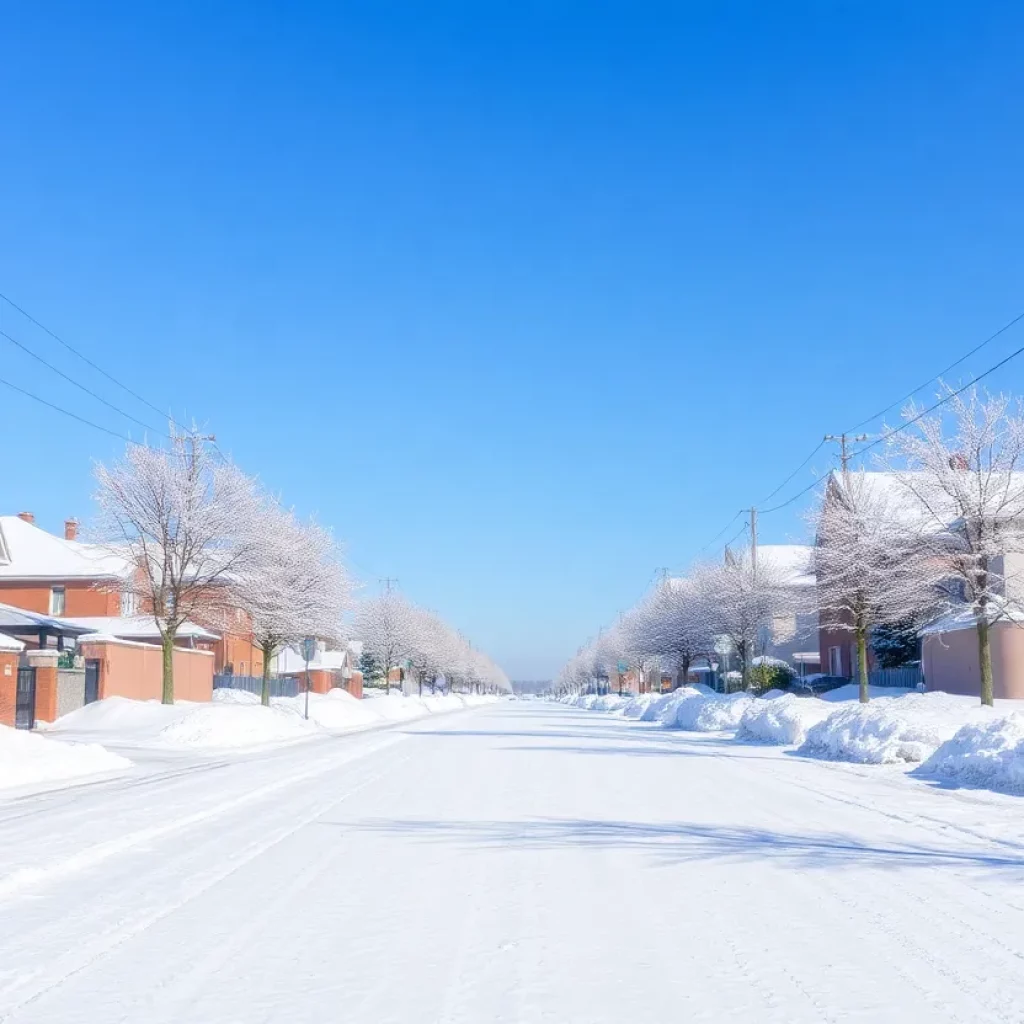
(835, 661)
(57, 600)
(129, 603)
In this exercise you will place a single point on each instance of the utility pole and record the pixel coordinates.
(387, 581)
(844, 454)
(753, 539)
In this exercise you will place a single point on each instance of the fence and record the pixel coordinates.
(905, 677)
(280, 686)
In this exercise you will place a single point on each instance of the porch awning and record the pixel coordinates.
(18, 622)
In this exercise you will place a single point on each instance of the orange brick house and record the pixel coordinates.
(87, 584)
(57, 576)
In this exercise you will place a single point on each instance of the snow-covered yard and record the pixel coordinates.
(948, 737)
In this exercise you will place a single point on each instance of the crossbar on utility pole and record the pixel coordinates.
(844, 454)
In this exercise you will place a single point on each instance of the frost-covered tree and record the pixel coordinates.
(968, 480)
(679, 625)
(427, 649)
(369, 667)
(896, 643)
(867, 561)
(184, 522)
(743, 597)
(387, 627)
(639, 635)
(293, 586)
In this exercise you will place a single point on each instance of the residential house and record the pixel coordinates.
(87, 584)
(328, 669)
(59, 575)
(793, 632)
(949, 646)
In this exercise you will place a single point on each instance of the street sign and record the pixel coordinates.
(309, 648)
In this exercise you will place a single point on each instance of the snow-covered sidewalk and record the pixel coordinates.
(521, 862)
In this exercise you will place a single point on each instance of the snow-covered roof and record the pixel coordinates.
(794, 562)
(10, 643)
(135, 627)
(290, 660)
(964, 617)
(915, 499)
(30, 553)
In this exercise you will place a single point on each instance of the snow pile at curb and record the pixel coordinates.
(988, 754)
(610, 702)
(637, 705)
(889, 730)
(233, 725)
(716, 713)
(666, 710)
(236, 719)
(782, 720)
(123, 716)
(27, 758)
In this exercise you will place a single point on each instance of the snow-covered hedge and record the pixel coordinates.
(889, 730)
(783, 720)
(985, 753)
(27, 758)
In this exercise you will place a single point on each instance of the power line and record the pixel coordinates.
(78, 384)
(942, 401)
(721, 531)
(789, 501)
(817, 449)
(67, 412)
(85, 359)
(941, 373)
(738, 533)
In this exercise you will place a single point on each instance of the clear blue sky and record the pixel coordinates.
(524, 299)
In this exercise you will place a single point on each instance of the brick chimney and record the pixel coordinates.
(70, 529)
(27, 516)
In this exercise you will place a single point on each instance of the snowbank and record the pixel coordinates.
(637, 705)
(610, 702)
(123, 716)
(890, 730)
(666, 710)
(984, 753)
(27, 758)
(236, 719)
(717, 712)
(233, 725)
(783, 720)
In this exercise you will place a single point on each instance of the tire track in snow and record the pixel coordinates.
(88, 956)
(25, 878)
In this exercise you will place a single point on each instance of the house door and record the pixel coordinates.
(92, 680)
(835, 661)
(25, 704)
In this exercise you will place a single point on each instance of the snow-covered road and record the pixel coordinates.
(522, 862)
